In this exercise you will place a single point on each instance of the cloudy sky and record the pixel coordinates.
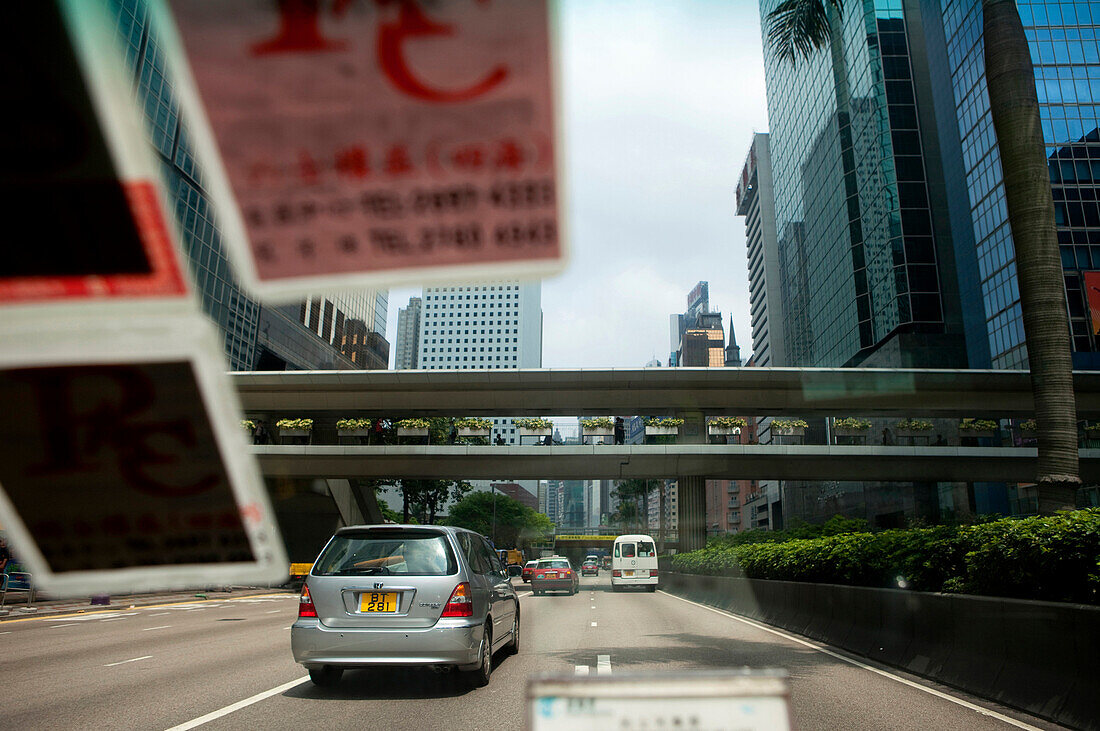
(660, 101)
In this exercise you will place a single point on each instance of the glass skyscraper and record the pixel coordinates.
(1063, 39)
(868, 272)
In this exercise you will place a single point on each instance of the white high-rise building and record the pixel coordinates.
(487, 326)
(408, 336)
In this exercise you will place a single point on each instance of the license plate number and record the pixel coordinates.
(378, 602)
(628, 573)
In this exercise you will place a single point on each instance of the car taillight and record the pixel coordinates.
(305, 604)
(461, 604)
(616, 572)
(653, 572)
(568, 572)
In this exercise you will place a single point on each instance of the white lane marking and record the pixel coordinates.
(238, 705)
(580, 670)
(112, 619)
(603, 665)
(75, 618)
(272, 611)
(59, 626)
(858, 664)
(593, 624)
(159, 614)
(6, 633)
(288, 627)
(123, 662)
(163, 626)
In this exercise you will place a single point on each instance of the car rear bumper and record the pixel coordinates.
(449, 642)
(552, 585)
(633, 581)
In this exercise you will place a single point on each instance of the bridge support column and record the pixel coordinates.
(691, 512)
(357, 505)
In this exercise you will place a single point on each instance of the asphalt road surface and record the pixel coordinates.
(227, 665)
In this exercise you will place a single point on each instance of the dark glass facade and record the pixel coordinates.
(1063, 39)
(867, 272)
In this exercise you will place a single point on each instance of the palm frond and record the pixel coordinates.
(797, 28)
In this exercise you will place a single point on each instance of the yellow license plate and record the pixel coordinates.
(378, 601)
(628, 573)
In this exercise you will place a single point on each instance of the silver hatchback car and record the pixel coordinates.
(405, 595)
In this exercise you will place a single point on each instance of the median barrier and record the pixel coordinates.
(1041, 657)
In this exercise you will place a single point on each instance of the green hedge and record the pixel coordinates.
(1053, 558)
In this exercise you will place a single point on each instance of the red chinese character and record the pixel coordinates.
(353, 162)
(261, 172)
(509, 155)
(469, 157)
(398, 160)
(299, 30)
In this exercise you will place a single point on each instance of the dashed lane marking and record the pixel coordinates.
(238, 705)
(163, 626)
(593, 624)
(858, 664)
(159, 614)
(580, 670)
(272, 611)
(59, 626)
(6, 633)
(603, 665)
(123, 662)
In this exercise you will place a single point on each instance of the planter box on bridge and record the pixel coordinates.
(723, 431)
(468, 432)
(661, 431)
(405, 431)
(353, 432)
(525, 432)
(602, 432)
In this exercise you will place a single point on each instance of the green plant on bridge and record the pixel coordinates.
(913, 425)
(789, 424)
(473, 423)
(304, 424)
(353, 424)
(1029, 425)
(851, 422)
(597, 422)
(977, 425)
(669, 423)
(534, 423)
(729, 422)
(414, 423)
(248, 424)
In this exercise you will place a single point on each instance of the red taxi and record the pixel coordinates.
(528, 569)
(554, 574)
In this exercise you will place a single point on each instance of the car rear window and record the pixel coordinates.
(628, 550)
(646, 549)
(387, 553)
(560, 564)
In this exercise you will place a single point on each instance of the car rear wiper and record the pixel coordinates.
(367, 571)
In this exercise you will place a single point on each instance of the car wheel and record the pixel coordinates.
(652, 588)
(479, 677)
(537, 592)
(513, 646)
(325, 677)
(615, 587)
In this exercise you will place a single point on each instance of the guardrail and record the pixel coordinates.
(24, 584)
(1037, 656)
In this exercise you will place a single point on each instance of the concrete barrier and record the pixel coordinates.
(1040, 657)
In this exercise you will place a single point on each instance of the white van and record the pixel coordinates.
(634, 562)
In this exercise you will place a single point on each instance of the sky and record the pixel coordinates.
(660, 99)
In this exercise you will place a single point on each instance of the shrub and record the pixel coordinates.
(473, 423)
(599, 422)
(306, 424)
(1028, 425)
(789, 423)
(729, 422)
(534, 423)
(248, 424)
(349, 424)
(977, 425)
(668, 423)
(851, 422)
(414, 423)
(1050, 558)
(914, 425)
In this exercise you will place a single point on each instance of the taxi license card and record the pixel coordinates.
(378, 601)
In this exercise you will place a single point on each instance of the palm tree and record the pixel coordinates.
(798, 28)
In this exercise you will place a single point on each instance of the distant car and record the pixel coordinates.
(554, 574)
(405, 595)
(590, 568)
(528, 568)
(605, 563)
(591, 557)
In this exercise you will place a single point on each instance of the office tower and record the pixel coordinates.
(756, 202)
(255, 337)
(697, 337)
(490, 326)
(1063, 39)
(408, 336)
(870, 271)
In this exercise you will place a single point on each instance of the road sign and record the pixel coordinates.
(744, 700)
(122, 467)
(374, 142)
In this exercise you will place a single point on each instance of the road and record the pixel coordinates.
(229, 662)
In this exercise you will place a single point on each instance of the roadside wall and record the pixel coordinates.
(1041, 657)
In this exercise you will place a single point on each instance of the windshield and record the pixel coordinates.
(386, 553)
(789, 307)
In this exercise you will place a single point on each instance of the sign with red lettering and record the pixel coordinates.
(369, 142)
(1092, 295)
